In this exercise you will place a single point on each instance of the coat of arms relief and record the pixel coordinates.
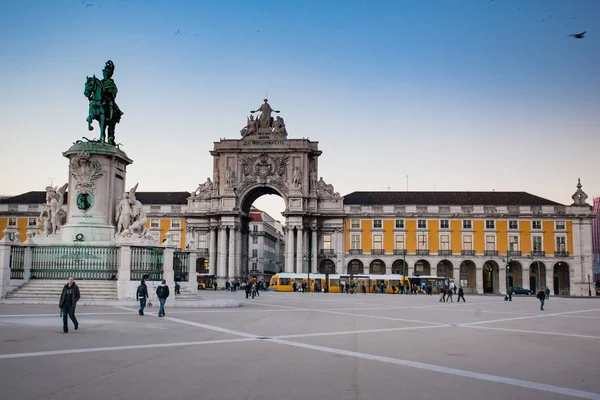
(263, 169)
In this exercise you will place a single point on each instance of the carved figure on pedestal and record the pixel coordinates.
(203, 189)
(279, 127)
(101, 95)
(55, 215)
(297, 178)
(250, 127)
(229, 178)
(313, 179)
(326, 190)
(265, 120)
(130, 215)
(217, 179)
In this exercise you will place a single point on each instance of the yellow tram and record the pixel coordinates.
(333, 283)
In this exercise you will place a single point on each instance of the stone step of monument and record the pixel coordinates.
(51, 289)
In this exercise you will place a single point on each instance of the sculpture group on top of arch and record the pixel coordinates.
(264, 123)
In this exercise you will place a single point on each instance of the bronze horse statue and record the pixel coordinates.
(100, 110)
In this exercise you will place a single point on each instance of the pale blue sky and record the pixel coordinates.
(459, 95)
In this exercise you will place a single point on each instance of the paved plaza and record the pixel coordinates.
(308, 346)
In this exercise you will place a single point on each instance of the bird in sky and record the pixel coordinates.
(578, 35)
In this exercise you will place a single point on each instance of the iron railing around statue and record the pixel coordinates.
(81, 262)
(181, 266)
(17, 262)
(146, 263)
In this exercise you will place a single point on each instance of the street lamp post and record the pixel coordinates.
(507, 267)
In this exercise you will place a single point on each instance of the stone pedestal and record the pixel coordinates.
(96, 181)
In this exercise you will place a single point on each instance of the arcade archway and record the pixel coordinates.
(562, 279)
(400, 267)
(356, 267)
(445, 269)
(377, 267)
(422, 267)
(491, 277)
(467, 276)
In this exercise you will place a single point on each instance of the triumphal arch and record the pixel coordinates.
(266, 161)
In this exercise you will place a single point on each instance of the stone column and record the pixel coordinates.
(231, 270)
(315, 248)
(238, 252)
(212, 252)
(456, 275)
(124, 274)
(289, 249)
(300, 252)
(479, 279)
(550, 278)
(340, 248)
(502, 279)
(168, 273)
(27, 263)
(525, 277)
(433, 269)
(410, 268)
(192, 277)
(222, 254)
(5, 245)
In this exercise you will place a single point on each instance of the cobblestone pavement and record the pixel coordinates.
(308, 346)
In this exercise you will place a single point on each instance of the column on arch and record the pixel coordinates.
(238, 251)
(231, 255)
(502, 279)
(299, 252)
(313, 253)
(222, 255)
(525, 277)
(289, 249)
(212, 253)
(479, 279)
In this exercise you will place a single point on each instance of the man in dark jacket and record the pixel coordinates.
(461, 294)
(162, 292)
(542, 296)
(142, 295)
(68, 300)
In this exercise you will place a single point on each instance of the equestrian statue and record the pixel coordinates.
(102, 95)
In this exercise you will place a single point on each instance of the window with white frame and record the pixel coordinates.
(355, 223)
(490, 242)
(255, 228)
(255, 239)
(175, 237)
(513, 243)
(400, 242)
(490, 224)
(536, 225)
(422, 224)
(467, 224)
(399, 224)
(444, 224)
(467, 243)
(513, 224)
(154, 223)
(422, 242)
(326, 242)
(377, 224)
(12, 222)
(202, 241)
(537, 243)
(355, 242)
(154, 208)
(31, 221)
(254, 266)
(561, 244)
(377, 242)
(156, 236)
(445, 242)
(176, 223)
(254, 253)
(560, 225)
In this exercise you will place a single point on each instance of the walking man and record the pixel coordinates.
(162, 292)
(461, 295)
(542, 296)
(142, 294)
(68, 300)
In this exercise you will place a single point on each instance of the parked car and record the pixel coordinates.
(520, 290)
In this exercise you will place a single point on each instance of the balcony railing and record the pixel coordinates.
(203, 252)
(537, 253)
(445, 252)
(423, 252)
(491, 252)
(400, 252)
(561, 254)
(327, 252)
(356, 251)
(378, 252)
(467, 252)
(513, 253)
